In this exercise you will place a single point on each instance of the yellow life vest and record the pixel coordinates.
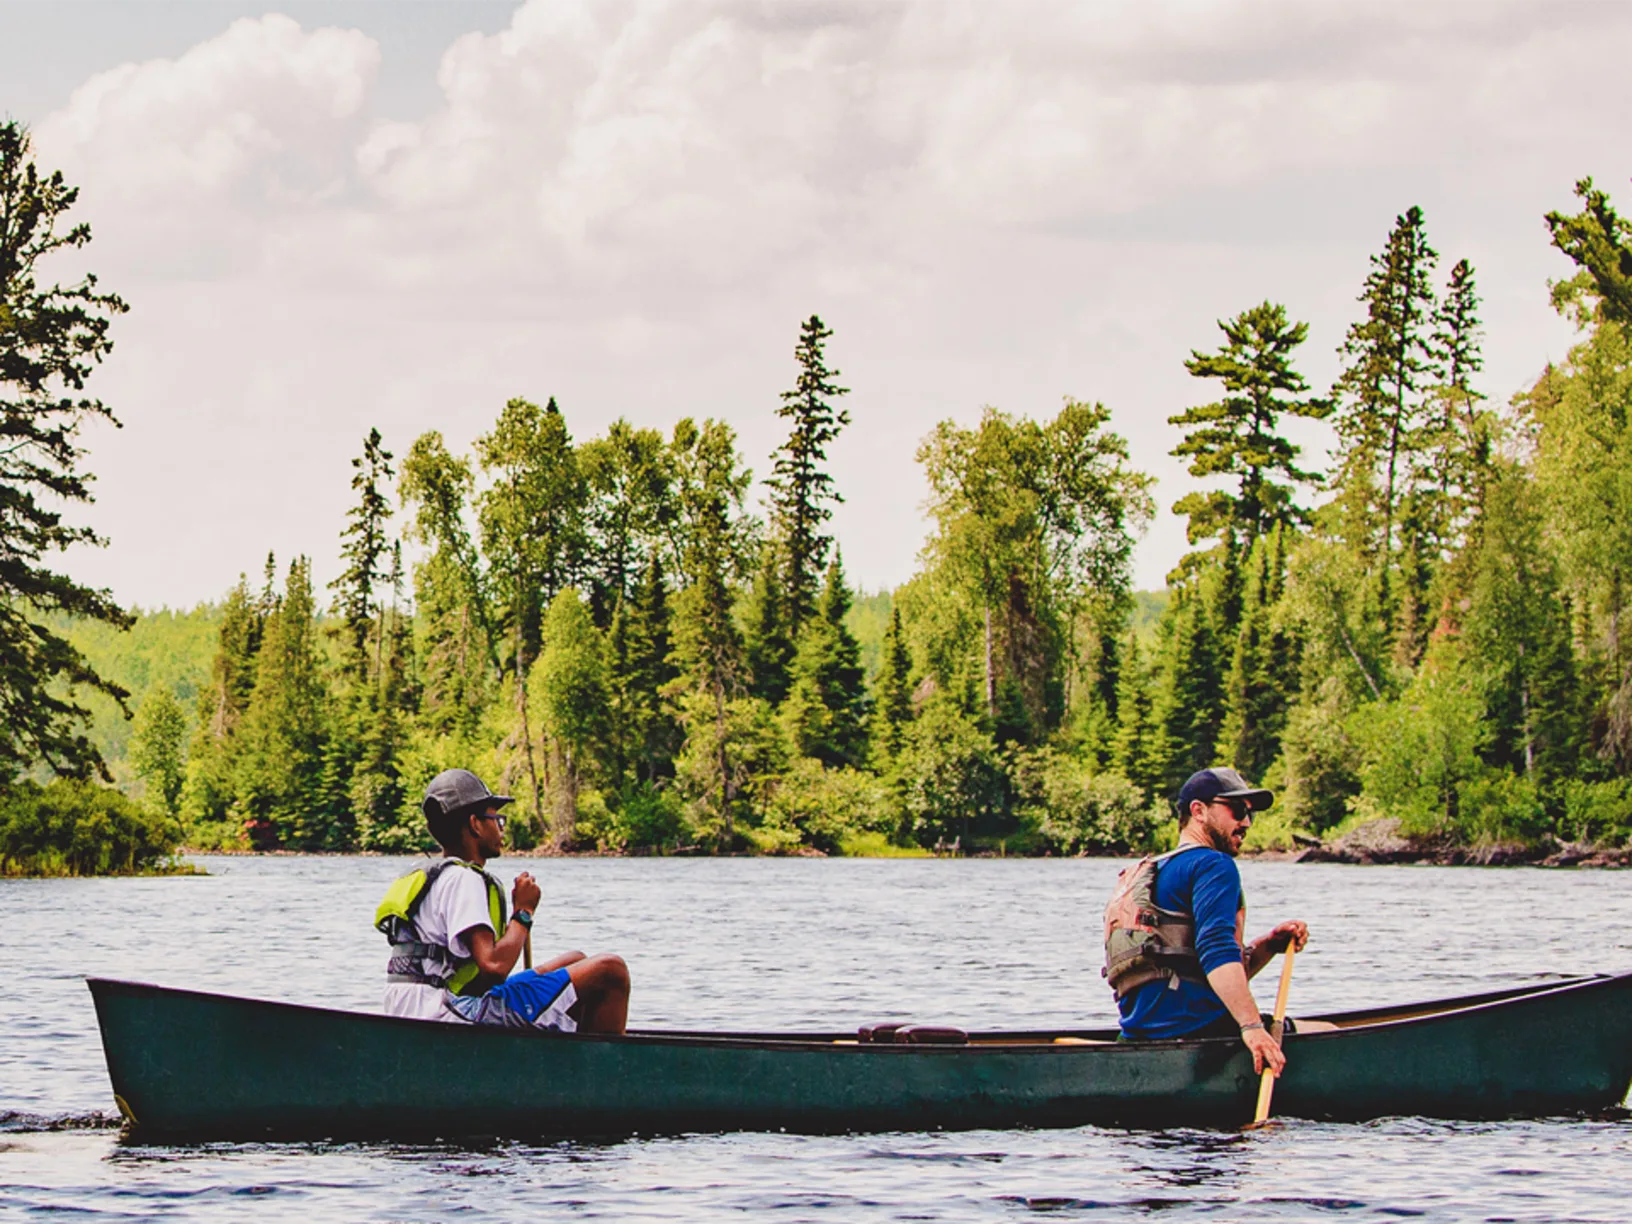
(410, 956)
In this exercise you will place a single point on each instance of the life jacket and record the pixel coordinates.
(1143, 942)
(409, 955)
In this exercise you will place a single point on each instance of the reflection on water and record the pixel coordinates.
(799, 944)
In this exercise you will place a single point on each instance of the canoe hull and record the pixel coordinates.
(189, 1065)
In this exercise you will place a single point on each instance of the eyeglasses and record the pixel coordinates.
(497, 817)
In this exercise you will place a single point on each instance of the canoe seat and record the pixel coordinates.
(911, 1034)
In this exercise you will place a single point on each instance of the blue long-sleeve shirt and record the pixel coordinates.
(1205, 883)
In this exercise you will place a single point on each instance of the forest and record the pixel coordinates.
(619, 631)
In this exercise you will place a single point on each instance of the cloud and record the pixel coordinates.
(632, 203)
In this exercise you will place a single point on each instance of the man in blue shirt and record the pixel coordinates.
(1200, 879)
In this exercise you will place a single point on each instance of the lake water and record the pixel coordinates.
(803, 943)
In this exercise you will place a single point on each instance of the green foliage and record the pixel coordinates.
(813, 805)
(158, 748)
(1077, 810)
(1237, 436)
(75, 827)
(955, 784)
(52, 338)
(800, 487)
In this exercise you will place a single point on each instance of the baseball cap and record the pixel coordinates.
(455, 790)
(1222, 783)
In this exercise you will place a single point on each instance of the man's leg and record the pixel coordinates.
(602, 985)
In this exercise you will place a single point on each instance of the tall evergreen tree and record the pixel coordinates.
(51, 339)
(826, 708)
(158, 747)
(279, 772)
(365, 551)
(642, 732)
(800, 486)
(708, 646)
(1239, 435)
(768, 645)
(209, 789)
(1389, 363)
(892, 696)
(1599, 240)
(1139, 753)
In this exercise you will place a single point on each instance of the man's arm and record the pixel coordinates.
(1229, 983)
(1261, 951)
(496, 957)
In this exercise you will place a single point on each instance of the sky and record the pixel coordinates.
(330, 217)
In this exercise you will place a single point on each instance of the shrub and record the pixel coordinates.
(952, 781)
(79, 828)
(639, 817)
(1076, 810)
(813, 805)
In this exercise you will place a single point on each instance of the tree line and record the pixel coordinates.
(612, 631)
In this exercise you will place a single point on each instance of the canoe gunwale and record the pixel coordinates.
(1016, 1041)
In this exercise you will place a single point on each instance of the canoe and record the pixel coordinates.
(187, 1065)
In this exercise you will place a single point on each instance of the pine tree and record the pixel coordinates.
(707, 645)
(1139, 752)
(365, 550)
(209, 790)
(1239, 435)
(1599, 240)
(1256, 704)
(892, 696)
(1189, 690)
(826, 709)
(1389, 363)
(800, 487)
(768, 646)
(51, 339)
(279, 771)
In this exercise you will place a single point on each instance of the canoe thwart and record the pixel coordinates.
(911, 1034)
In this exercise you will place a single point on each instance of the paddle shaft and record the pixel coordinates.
(1266, 1085)
(527, 951)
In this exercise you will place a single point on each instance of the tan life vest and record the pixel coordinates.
(1143, 942)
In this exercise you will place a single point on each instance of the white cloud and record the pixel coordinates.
(631, 204)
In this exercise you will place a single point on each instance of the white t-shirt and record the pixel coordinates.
(455, 906)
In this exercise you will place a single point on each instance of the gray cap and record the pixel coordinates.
(455, 790)
(1223, 783)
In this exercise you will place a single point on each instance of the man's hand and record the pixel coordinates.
(525, 893)
(1295, 932)
(1265, 1049)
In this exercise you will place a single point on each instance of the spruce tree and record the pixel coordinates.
(826, 709)
(279, 770)
(1256, 705)
(892, 696)
(1239, 436)
(1389, 364)
(158, 744)
(768, 646)
(1189, 691)
(52, 338)
(210, 789)
(708, 646)
(1139, 752)
(800, 487)
(365, 550)
(1599, 240)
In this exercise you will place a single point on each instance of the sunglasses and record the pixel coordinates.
(1236, 808)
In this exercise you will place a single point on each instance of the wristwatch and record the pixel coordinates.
(524, 917)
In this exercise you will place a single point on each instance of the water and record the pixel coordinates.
(801, 944)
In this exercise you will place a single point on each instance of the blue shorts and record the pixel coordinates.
(526, 999)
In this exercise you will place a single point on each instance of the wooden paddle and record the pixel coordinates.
(1266, 1085)
(527, 951)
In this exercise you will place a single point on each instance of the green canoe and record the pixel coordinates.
(189, 1065)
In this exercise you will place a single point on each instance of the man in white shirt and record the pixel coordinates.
(453, 948)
